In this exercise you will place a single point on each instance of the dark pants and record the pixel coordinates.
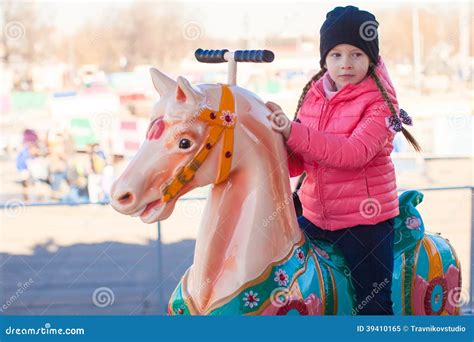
(368, 250)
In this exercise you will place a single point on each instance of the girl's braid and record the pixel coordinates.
(386, 97)
(306, 89)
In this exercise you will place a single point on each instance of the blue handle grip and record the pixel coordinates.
(217, 56)
(210, 56)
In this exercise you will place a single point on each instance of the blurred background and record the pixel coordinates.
(75, 100)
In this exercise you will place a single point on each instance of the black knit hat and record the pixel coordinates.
(349, 25)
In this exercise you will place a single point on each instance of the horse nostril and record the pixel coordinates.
(126, 198)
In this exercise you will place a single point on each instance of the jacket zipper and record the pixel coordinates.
(318, 176)
(321, 116)
(366, 184)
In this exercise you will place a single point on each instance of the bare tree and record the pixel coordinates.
(144, 33)
(27, 33)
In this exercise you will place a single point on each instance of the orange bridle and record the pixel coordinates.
(222, 123)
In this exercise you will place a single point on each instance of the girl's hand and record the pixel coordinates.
(279, 120)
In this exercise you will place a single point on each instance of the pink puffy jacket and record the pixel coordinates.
(344, 145)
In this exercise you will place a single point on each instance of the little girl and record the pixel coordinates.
(342, 137)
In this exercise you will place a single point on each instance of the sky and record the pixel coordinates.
(242, 18)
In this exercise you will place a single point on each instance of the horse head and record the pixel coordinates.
(189, 143)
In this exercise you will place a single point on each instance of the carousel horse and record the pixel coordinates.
(251, 258)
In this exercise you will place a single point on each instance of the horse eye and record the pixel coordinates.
(185, 144)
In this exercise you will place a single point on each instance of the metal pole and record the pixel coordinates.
(159, 253)
(232, 68)
(471, 275)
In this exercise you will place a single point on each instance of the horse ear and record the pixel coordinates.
(186, 92)
(163, 84)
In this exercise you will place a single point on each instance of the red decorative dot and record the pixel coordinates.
(213, 115)
(180, 311)
(228, 118)
(282, 277)
(228, 154)
(208, 146)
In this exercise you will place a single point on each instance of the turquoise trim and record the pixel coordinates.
(409, 277)
(397, 286)
(422, 266)
(308, 282)
(262, 291)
